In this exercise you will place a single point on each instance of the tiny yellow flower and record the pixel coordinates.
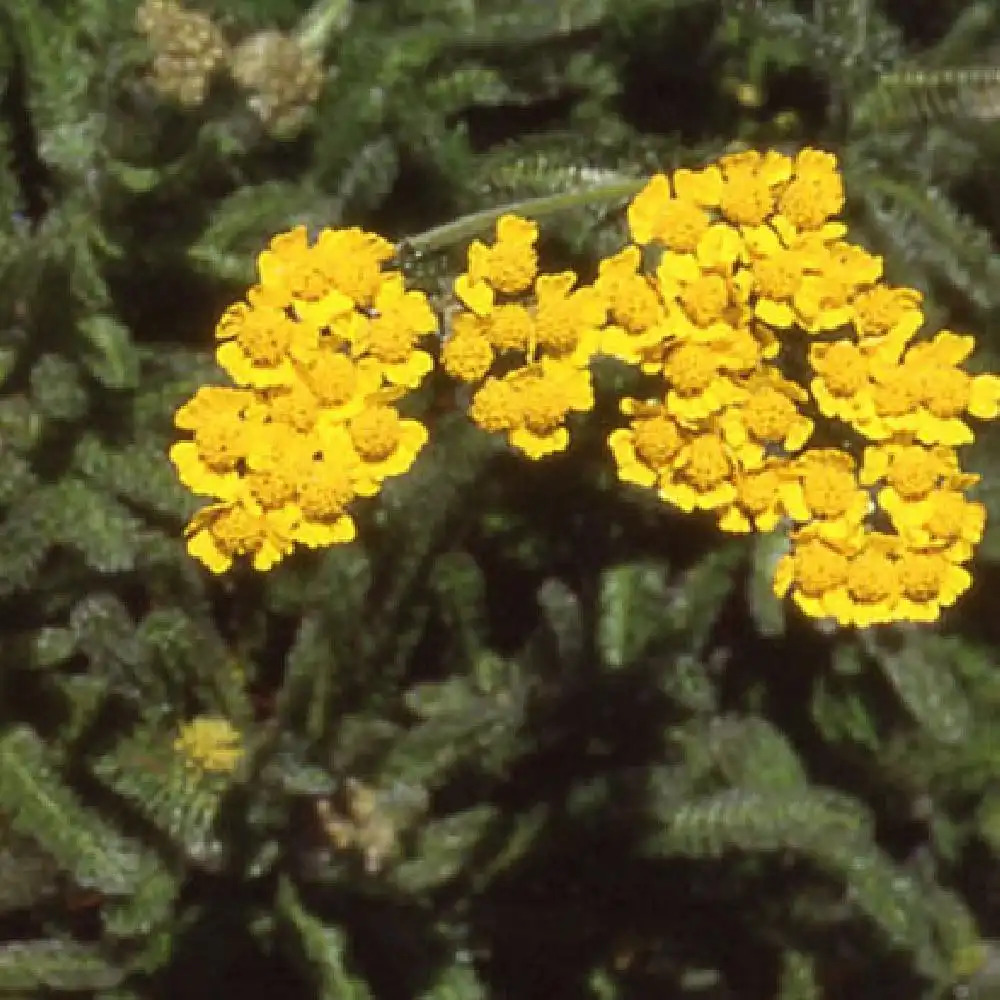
(467, 355)
(495, 406)
(752, 181)
(910, 472)
(645, 450)
(814, 194)
(871, 591)
(567, 320)
(702, 377)
(291, 274)
(636, 310)
(399, 317)
(702, 475)
(814, 573)
(545, 393)
(656, 215)
(766, 419)
(940, 393)
(386, 443)
(221, 532)
(884, 311)
(929, 582)
(508, 266)
(758, 505)
(209, 464)
(777, 278)
(826, 494)
(842, 386)
(340, 384)
(944, 521)
(257, 338)
(702, 187)
(351, 261)
(510, 327)
(210, 744)
(823, 301)
(720, 248)
(324, 494)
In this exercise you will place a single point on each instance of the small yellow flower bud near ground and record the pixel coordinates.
(210, 744)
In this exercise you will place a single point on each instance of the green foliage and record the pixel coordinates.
(39, 805)
(54, 965)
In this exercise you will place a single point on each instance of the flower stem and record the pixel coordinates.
(467, 226)
(321, 23)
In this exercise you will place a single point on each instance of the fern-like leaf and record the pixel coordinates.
(39, 805)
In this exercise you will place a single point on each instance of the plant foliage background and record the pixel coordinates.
(531, 735)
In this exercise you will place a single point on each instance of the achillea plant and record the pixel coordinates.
(737, 278)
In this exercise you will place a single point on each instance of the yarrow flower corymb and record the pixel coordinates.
(523, 340)
(321, 351)
(754, 270)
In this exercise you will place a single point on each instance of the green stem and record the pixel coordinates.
(326, 18)
(467, 226)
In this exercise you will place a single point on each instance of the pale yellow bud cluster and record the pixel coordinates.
(280, 76)
(188, 48)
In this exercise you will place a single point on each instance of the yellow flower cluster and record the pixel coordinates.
(210, 744)
(751, 275)
(323, 346)
(742, 304)
(524, 340)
